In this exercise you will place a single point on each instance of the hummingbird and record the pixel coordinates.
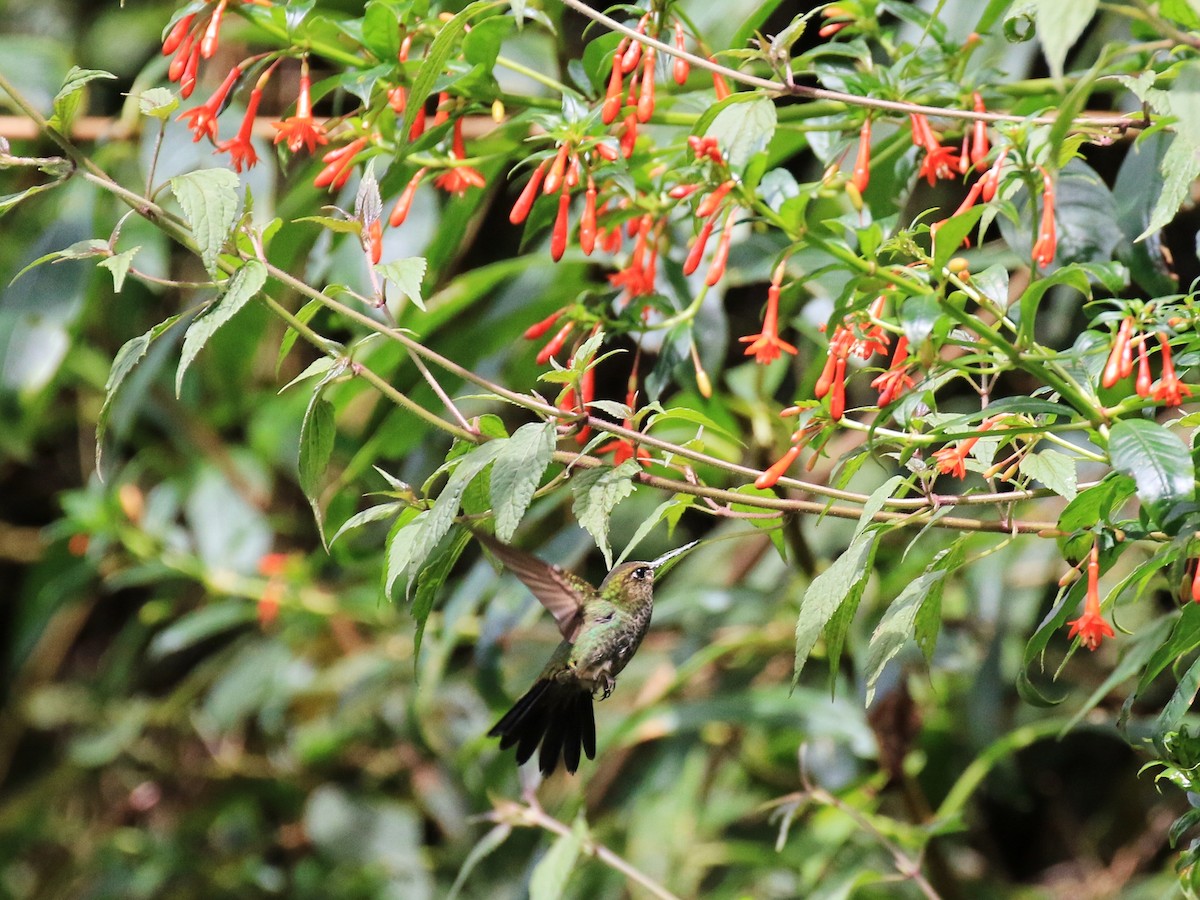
(601, 628)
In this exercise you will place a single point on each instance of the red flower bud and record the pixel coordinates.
(697, 252)
(645, 105)
(721, 256)
(178, 32)
(772, 475)
(554, 178)
(558, 235)
(612, 97)
(524, 202)
(537, 329)
(555, 344)
(587, 223)
(400, 210)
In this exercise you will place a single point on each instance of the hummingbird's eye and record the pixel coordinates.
(642, 573)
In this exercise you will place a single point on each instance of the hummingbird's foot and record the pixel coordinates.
(608, 684)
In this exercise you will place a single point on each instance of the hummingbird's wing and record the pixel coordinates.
(559, 591)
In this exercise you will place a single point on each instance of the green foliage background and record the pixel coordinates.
(157, 740)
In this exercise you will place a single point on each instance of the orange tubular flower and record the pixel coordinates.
(301, 130)
(241, 152)
(558, 170)
(720, 86)
(176, 35)
(520, 210)
(339, 163)
(555, 344)
(1120, 358)
(712, 202)
(1091, 627)
(679, 68)
(587, 222)
(1170, 389)
(979, 139)
(639, 275)
(645, 105)
(951, 460)
(1142, 384)
(896, 380)
(991, 178)
(459, 178)
(187, 81)
(208, 43)
(772, 475)
(203, 118)
(766, 345)
(537, 329)
(612, 97)
(404, 203)
(558, 235)
(862, 162)
(721, 255)
(697, 252)
(940, 162)
(1195, 579)
(1046, 245)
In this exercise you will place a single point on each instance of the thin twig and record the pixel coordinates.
(532, 815)
(1123, 123)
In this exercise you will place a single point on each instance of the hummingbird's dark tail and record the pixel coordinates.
(557, 715)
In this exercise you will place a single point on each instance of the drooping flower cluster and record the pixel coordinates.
(1119, 365)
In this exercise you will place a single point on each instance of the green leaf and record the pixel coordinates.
(406, 274)
(898, 625)
(743, 130)
(439, 519)
(1055, 470)
(240, 289)
(69, 98)
(875, 502)
(439, 54)
(1095, 505)
(1184, 639)
(518, 471)
(1180, 168)
(381, 31)
(431, 579)
(210, 205)
(118, 264)
(370, 514)
(338, 226)
(951, 234)
(841, 584)
(317, 433)
(597, 493)
(401, 544)
(1059, 25)
(1181, 701)
(482, 44)
(158, 103)
(1158, 462)
(123, 363)
(550, 875)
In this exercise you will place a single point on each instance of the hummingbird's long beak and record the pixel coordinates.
(658, 564)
